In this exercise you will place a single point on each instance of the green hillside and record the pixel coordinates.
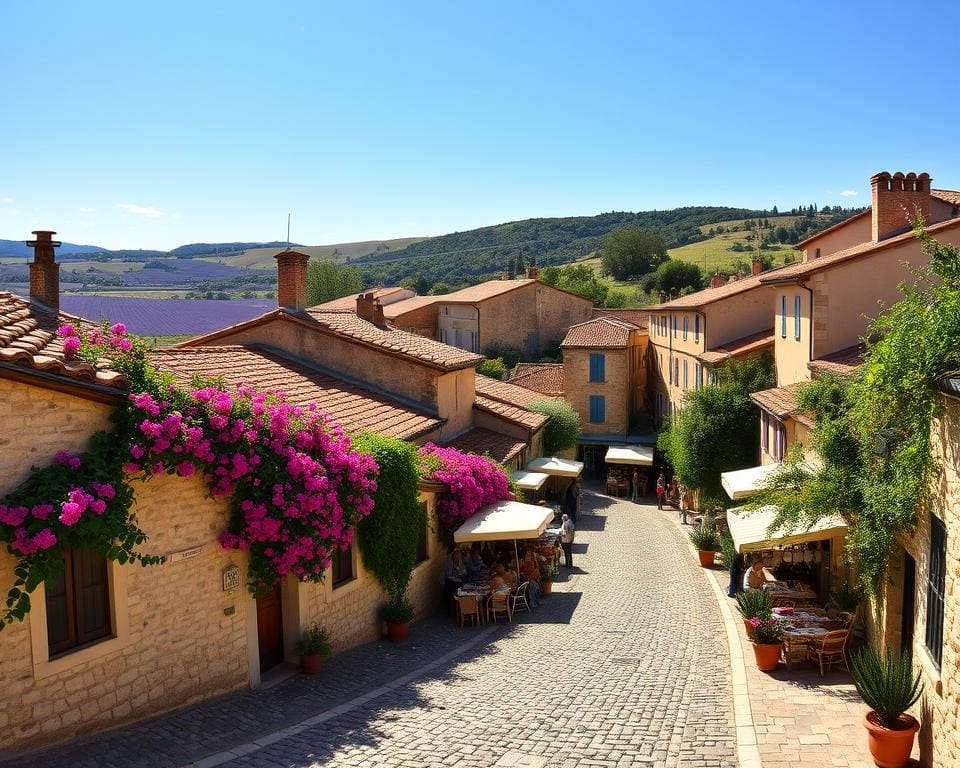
(262, 258)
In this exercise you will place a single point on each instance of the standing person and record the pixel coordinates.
(661, 490)
(567, 535)
(682, 491)
(634, 485)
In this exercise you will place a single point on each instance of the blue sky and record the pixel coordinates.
(156, 124)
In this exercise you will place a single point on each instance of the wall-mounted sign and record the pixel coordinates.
(184, 554)
(231, 578)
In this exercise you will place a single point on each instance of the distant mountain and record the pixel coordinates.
(18, 248)
(212, 249)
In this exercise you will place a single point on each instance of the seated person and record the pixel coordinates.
(475, 566)
(510, 575)
(754, 578)
(498, 586)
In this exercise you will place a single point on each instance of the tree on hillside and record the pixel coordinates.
(417, 283)
(327, 281)
(677, 278)
(579, 279)
(439, 288)
(629, 253)
(718, 428)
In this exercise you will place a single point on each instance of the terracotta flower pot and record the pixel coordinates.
(706, 557)
(890, 748)
(397, 631)
(767, 656)
(746, 626)
(311, 664)
(546, 587)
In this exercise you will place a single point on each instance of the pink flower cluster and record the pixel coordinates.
(100, 343)
(35, 528)
(297, 487)
(473, 482)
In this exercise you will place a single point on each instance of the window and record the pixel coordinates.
(423, 550)
(342, 569)
(765, 431)
(685, 385)
(78, 602)
(663, 320)
(697, 376)
(779, 440)
(696, 328)
(597, 366)
(817, 254)
(936, 580)
(676, 371)
(598, 409)
(783, 316)
(796, 318)
(673, 324)
(686, 320)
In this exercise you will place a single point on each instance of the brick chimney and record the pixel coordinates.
(370, 309)
(44, 271)
(532, 273)
(292, 279)
(717, 280)
(896, 199)
(756, 267)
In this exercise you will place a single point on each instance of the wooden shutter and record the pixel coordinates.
(61, 625)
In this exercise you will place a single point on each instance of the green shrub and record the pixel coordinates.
(548, 571)
(494, 368)
(886, 683)
(314, 642)
(705, 539)
(755, 603)
(847, 597)
(397, 611)
(563, 425)
(728, 552)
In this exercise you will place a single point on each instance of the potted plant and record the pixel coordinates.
(398, 614)
(548, 572)
(707, 541)
(888, 686)
(766, 636)
(313, 648)
(754, 603)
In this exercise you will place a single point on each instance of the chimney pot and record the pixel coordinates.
(756, 267)
(532, 273)
(44, 271)
(292, 279)
(895, 200)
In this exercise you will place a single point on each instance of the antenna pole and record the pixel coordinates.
(288, 231)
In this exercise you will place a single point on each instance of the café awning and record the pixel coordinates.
(750, 529)
(551, 465)
(641, 455)
(503, 521)
(745, 482)
(529, 481)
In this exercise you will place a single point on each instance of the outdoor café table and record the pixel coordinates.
(796, 640)
(479, 592)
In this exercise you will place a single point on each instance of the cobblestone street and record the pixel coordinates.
(626, 664)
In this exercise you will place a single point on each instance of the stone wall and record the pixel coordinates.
(616, 388)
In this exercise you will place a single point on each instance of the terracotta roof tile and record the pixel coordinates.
(804, 268)
(639, 317)
(545, 378)
(743, 346)
(483, 291)
(385, 295)
(486, 442)
(599, 332)
(710, 295)
(505, 391)
(352, 406)
(782, 403)
(28, 339)
(843, 362)
(949, 196)
(399, 308)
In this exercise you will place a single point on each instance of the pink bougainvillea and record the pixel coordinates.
(472, 482)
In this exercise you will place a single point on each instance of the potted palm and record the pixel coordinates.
(707, 542)
(313, 648)
(889, 687)
(398, 613)
(754, 603)
(766, 637)
(548, 572)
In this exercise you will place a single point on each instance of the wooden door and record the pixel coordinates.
(270, 629)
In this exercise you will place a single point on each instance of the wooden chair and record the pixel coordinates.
(498, 603)
(830, 649)
(519, 598)
(468, 607)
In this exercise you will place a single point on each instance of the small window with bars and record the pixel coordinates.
(936, 583)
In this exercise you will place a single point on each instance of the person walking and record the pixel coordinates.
(567, 535)
(661, 490)
(635, 485)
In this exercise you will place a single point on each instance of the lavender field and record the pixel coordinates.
(165, 317)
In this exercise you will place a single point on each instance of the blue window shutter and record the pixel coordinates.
(597, 409)
(597, 367)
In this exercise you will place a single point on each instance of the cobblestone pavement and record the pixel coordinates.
(626, 664)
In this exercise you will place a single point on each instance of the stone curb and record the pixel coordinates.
(748, 754)
(247, 748)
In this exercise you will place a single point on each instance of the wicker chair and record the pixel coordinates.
(468, 606)
(499, 603)
(519, 598)
(830, 649)
(795, 651)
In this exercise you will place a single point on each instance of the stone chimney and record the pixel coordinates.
(756, 267)
(717, 280)
(370, 309)
(292, 279)
(44, 271)
(532, 273)
(895, 200)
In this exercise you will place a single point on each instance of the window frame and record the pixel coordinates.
(598, 368)
(685, 377)
(686, 325)
(339, 557)
(796, 317)
(696, 328)
(936, 591)
(76, 597)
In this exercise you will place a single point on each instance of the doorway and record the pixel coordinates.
(270, 629)
(909, 603)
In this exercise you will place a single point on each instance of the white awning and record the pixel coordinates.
(749, 529)
(503, 521)
(630, 454)
(746, 482)
(551, 465)
(529, 481)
